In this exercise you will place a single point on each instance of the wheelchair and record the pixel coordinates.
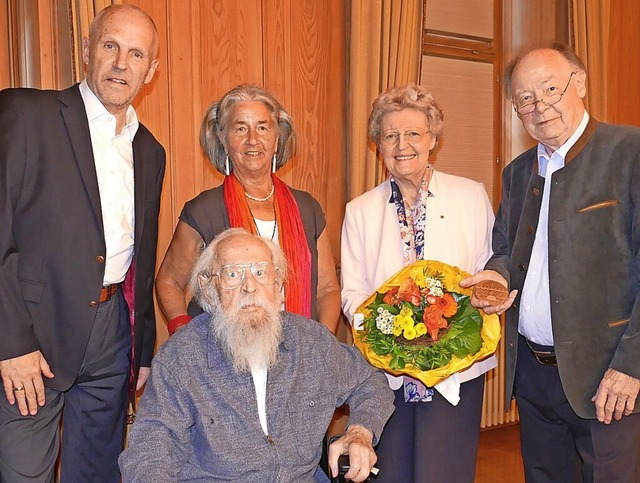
(343, 464)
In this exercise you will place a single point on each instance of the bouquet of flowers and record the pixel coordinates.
(421, 323)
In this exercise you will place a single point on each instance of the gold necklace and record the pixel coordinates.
(262, 200)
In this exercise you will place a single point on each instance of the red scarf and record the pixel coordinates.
(291, 236)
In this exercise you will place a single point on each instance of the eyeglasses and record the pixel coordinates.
(232, 276)
(390, 139)
(526, 105)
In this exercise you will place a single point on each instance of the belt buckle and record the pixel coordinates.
(107, 292)
(543, 358)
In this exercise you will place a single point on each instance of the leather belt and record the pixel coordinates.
(107, 292)
(545, 358)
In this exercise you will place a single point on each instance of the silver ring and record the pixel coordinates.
(16, 389)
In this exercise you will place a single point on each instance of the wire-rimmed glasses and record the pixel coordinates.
(526, 105)
(232, 276)
(391, 138)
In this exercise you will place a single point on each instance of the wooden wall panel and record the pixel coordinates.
(184, 170)
(35, 45)
(623, 80)
(526, 25)
(304, 61)
(5, 46)
(228, 51)
(43, 47)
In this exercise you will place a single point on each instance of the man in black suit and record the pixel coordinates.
(80, 183)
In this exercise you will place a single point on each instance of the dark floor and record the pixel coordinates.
(499, 459)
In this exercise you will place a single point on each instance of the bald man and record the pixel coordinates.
(79, 201)
(567, 238)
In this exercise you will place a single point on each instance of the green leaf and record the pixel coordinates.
(397, 363)
(468, 341)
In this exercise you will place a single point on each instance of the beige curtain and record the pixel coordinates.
(590, 28)
(82, 13)
(384, 51)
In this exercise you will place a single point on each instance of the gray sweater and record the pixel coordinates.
(198, 418)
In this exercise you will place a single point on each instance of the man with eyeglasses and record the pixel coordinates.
(567, 238)
(246, 392)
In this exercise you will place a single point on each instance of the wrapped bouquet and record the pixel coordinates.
(421, 323)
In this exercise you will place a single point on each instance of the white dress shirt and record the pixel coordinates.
(113, 156)
(259, 375)
(535, 302)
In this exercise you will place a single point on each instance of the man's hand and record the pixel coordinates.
(616, 396)
(357, 442)
(22, 380)
(143, 375)
(486, 305)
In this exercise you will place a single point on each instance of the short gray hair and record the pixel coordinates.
(209, 262)
(216, 117)
(410, 96)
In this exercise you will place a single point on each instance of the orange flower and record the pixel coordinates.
(409, 291)
(434, 321)
(432, 299)
(448, 305)
(390, 298)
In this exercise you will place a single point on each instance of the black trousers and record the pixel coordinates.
(93, 414)
(434, 441)
(558, 445)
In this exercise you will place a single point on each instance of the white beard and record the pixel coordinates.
(250, 340)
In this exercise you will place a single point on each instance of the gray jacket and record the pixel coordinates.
(594, 256)
(198, 419)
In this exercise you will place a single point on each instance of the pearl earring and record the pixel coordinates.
(273, 167)
(226, 166)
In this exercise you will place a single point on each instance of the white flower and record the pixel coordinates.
(384, 321)
(435, 287)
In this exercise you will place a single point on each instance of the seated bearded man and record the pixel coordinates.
(246, 392)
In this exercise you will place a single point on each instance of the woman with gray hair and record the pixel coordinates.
(418, 213)
(247, 135)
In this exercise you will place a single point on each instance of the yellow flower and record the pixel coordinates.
(397, 326)
(421, 329)
(403, 320)
(420, 278)
(405, 312)
(410, 333)
(407, 323)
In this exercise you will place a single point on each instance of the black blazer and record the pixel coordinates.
(52, 245)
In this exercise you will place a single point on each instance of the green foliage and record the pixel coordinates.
(461, 339)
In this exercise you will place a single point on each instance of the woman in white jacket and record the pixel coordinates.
(418, 213)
